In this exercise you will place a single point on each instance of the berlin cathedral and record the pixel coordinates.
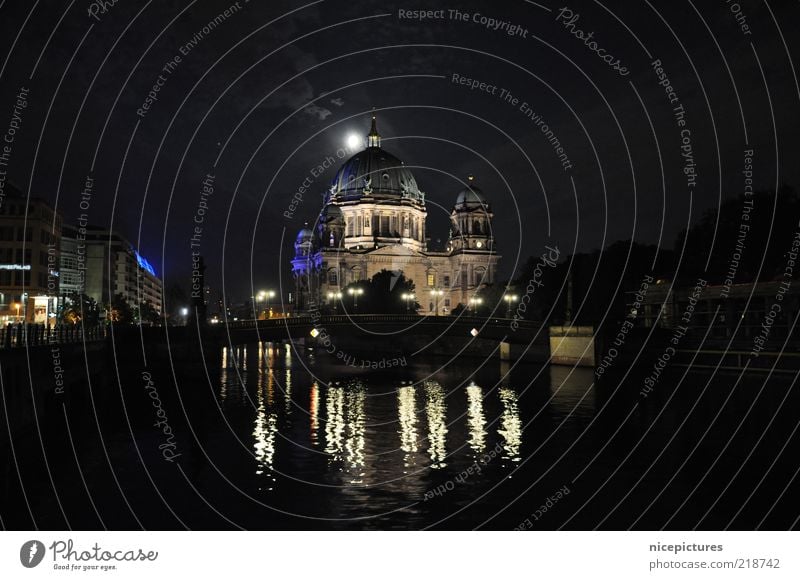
(373, 218)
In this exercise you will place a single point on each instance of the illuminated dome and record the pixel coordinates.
(471, 196)
(305, 235)
(375, 173)
(330, 214)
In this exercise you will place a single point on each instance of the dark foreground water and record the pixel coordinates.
(264, 440)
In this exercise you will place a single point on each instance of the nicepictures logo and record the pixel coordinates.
(31, 553)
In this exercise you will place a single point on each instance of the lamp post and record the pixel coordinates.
(475, 302)
(509, 298)
(436, 294)
(270, 295)
(407, 296)
(334, 297)
(355, 293)
(259, 300)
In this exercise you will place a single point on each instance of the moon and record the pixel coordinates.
(353, 141)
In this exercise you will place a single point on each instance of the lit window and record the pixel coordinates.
(431, 279)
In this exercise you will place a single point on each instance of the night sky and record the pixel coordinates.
(267, 94)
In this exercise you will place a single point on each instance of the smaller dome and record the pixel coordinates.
(471, 195)
(304, 235)
(331, 213)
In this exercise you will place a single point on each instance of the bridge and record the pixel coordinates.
(339, 334)
(378, 326)
(381, 327)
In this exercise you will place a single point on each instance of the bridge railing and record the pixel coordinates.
(356, 319)
(27, 335)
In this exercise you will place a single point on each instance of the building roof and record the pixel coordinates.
(374, 172)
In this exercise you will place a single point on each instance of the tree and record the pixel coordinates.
(79, 308)
(119, 311)
(757, 229)
(175, 300)
(147, 314)
(383, 294)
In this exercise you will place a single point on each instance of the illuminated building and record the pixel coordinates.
(114, 266)
(29, 259)
(374, 218)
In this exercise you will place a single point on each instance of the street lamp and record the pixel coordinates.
(436, 294)
(267, 295)
(407, 296)
(259, 300)
(475, 302)
(270, 295)
(509, 298)
(334, 297)
(355, 293)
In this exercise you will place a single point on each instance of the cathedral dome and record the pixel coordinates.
(331, 213)
(374, 172)
(304, 236)
(471, 196)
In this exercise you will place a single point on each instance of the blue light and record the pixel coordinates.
(144, 264)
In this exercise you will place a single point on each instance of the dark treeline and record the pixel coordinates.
(750, 236)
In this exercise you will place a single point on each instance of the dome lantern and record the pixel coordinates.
(374, 173)
(374, 138)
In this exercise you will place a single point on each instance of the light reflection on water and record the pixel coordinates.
(367, 429)
(264, 432)
(436, 411)
(475, 418)
(510, 424)
(407, 411)
(313, 413)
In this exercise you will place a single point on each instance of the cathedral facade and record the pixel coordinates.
(374, 218)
